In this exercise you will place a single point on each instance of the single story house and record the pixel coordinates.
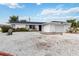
(55, 27)
(28, 25)
(50, 27)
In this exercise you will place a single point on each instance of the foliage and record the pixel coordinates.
(74, 25)
(78, 23)
(73, 22)
(32, 30)
(13, 19)
(5, 28)
(20, 30)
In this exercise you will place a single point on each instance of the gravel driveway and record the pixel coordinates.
(36, 44)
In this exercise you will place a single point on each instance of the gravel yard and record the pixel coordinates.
(36, 44)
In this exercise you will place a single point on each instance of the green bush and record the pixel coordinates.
(5, 28)
(20, 30)
(32, 30)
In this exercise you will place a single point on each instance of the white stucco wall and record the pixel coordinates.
(27, 26)
(46, 28)
(52, 28)
(19, 25)
(37, 27)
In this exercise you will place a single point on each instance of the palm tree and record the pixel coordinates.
(13, 19)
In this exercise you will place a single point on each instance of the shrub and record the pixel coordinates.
(32, 30)
(5, 28)
(20, 30)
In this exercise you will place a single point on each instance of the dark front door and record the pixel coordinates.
(40, 27)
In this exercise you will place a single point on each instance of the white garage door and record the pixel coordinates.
(59, 28)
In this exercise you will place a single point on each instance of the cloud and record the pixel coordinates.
(60, 11)
(12, 5)
(60, 14)
(57, 18)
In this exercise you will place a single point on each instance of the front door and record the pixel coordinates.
(40, 27)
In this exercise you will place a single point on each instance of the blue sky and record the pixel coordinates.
(39, 12)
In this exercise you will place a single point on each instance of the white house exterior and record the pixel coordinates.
(55, 26)
(28, 25)
(51, 27)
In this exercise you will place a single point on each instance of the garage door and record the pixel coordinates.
(59, 28)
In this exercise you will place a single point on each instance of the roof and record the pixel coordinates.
(58, 22)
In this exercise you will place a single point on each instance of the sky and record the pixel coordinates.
(42, 12)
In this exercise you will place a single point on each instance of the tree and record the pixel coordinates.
(13, 19)
(73, 22)
(74, 25)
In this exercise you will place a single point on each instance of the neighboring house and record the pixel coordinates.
(28, 25)
(55, 26)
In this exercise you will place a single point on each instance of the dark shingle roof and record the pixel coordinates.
(59, 21)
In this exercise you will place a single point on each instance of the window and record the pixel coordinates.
(32, 26)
